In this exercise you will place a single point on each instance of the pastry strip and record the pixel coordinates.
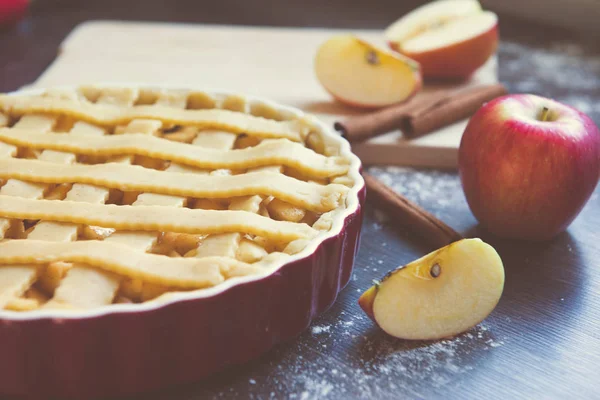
(93, 287)
(14, 187)
(74, 289)
(15, 280)
(153, 218)
(6, 150)
(59, 232)
(214, 140)
(311, 196)
(85, 287)
(276, 152)
(146, 290)
(23, 304)
(110, 115)
(185, 273)
(225, 244)
(135, 288)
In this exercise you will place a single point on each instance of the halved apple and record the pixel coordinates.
(362, 75)
(429, 16)
(449, 38)
(439, 295)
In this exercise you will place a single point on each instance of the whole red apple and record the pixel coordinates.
(528, 165)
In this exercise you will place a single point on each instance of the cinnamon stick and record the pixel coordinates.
(430, 229)
(420, 115)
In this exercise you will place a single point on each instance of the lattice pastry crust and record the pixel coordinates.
(124, 195)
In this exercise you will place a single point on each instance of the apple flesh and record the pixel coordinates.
(439, 295)
(449, 38)
(528, 165)
(362, 75)
(429, 15)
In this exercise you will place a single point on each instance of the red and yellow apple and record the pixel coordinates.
(439, 295)
(362, 75)
(449, 38)
(528, 165)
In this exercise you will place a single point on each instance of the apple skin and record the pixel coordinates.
(366, 300)
(458, 60)
(525, 178)
(12, 10)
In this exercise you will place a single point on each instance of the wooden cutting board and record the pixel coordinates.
(276, 63)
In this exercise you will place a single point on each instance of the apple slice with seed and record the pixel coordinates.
(439, 295)
(362, 75)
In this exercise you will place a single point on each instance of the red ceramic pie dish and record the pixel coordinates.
(126, 349)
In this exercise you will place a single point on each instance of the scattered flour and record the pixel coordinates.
(377, 225)
(380, 218)
(316, 390)
(438, 189)
(320, 329)
(359, 361)
(546, 62)
(582, 79)
(385, 363)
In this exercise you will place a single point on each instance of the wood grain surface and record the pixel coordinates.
(542, 341)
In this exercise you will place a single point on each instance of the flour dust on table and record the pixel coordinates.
(582, 78)
(387, 364)
(438, 191)
(440, 188)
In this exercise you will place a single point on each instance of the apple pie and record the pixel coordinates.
(120, 195)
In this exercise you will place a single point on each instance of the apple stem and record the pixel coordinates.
(544, 114)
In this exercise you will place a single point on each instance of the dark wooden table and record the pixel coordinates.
(543, 339)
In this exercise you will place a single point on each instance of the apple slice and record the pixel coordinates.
(362, 75)
(429, 16)
(439, 295)
(449, 38)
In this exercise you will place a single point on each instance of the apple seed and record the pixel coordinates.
(436, 270)
(372, 57)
